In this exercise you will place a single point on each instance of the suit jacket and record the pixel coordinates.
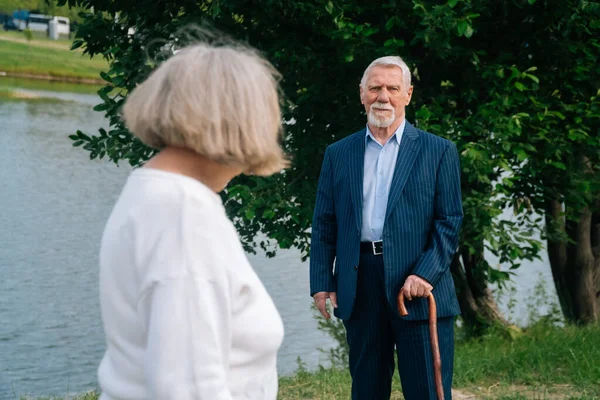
(421, 228)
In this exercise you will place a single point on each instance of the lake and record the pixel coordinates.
(54, 203)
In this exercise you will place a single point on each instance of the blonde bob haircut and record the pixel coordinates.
(220, 102)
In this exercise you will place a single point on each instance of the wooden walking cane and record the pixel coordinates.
(433, 333)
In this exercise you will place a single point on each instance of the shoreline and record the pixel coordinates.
(53, 78)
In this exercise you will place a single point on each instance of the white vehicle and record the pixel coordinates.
(64, 25)
(39, 23)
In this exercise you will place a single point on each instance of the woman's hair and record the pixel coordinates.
(222, 102)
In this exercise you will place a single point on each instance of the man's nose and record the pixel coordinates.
(383, 96)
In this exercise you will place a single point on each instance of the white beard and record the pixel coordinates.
(379, 121)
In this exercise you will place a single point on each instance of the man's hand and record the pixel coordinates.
(321, 302)
(415, 286)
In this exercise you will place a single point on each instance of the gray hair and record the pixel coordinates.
(388, 61)
(221, 102)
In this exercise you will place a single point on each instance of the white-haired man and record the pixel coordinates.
(388, 214)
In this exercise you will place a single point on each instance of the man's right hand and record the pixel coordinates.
(321, 302)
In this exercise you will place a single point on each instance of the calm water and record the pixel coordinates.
(54, 202)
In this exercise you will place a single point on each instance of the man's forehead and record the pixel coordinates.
(385, 74)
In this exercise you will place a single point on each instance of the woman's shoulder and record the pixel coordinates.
(172, 217)
(172, 187)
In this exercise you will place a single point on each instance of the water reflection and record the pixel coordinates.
(54, 203)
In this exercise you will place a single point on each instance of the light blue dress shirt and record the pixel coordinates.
(380, 163)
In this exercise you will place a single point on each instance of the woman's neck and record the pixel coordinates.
(186, 162)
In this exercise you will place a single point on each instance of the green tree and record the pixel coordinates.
(559, 174)
(473, 85)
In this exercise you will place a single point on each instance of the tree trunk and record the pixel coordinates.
(574, 253)
(478, 307)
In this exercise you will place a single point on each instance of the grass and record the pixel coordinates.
(544, 355)
(46, 58)
(10, 84)
(545, 363)
(39, 39)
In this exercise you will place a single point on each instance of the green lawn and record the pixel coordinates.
(39, 38)
(545, 363)
(46, 58)
(9, 84)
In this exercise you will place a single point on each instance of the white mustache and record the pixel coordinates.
(382, 106)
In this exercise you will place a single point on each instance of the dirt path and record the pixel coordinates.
(500, 391)
(497, 391)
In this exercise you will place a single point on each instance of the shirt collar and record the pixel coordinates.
(397, 134)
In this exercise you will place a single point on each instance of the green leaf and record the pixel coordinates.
(469, 31)
(76, 44)
(531, 2)
(268, 214)
(349, 57)
(329, 7)
(520, 86)
(532, 77)
(452, 3)
(249, 213)
(83, 136)
(394, 43)
(105, 76)
(462, 27)
(558, 165)
(370, 31)
(101, 107)
(390, 23)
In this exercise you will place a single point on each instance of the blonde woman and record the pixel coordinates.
(185, 316)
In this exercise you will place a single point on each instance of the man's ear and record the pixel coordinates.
(360, 90)
(410, 92)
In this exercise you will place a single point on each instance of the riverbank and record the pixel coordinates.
(48, 60)
(546, 362)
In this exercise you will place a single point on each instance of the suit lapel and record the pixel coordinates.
(356, 163)
(410, 146)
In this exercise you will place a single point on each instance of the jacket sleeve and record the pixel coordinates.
(324, 232)
(448, 216)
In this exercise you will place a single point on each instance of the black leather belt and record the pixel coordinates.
(375, 248)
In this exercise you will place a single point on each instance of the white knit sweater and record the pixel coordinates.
(185, 315)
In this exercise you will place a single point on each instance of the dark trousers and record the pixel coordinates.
(373, 330)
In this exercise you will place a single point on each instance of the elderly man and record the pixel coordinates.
(387, 216)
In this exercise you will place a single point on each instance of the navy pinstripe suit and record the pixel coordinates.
(420, 236)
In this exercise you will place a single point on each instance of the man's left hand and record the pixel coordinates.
(415, 286)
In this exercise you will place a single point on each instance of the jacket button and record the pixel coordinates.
(356, 267)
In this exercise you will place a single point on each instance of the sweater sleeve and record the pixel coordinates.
(188, 340)
(186, 309)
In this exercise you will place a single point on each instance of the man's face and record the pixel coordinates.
(384, 96)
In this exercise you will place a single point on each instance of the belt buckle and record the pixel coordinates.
(378, 242)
